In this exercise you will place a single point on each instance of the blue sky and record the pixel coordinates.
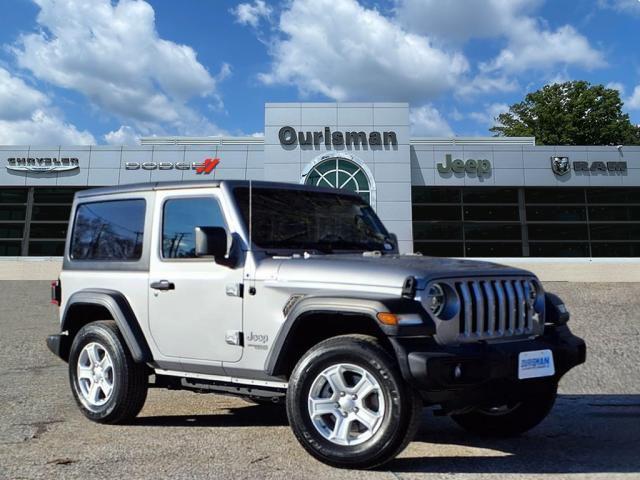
(100, 71)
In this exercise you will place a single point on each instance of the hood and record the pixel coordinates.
(385, 270)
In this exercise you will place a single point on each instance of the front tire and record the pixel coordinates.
(348, 404)
(511, 419)
(108, 386)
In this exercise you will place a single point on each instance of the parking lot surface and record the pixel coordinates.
(593, 432)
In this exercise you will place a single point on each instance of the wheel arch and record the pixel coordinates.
(89, 305)
(314, 319)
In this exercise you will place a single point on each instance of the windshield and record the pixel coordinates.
(312, 221)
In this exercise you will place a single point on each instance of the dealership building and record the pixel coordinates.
(462, 197)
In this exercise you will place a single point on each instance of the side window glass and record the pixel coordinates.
(108, 231)
(180, 218)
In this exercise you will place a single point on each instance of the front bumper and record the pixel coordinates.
(483, 369)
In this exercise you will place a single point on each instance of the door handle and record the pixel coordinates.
(163, 285)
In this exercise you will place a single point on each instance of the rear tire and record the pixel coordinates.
(108, 386)
(509, 420)
(364, 413)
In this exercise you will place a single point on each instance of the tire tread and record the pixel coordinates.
(371, 348)
(134, 377)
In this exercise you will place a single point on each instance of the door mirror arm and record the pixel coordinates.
(394, 241)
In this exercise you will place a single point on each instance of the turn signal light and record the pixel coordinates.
(388, 318)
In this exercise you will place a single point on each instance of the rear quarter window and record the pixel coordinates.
(108, 231)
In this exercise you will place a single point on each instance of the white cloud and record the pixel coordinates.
(113, 55)
(616, 86)
(484, 84)
(532, 48)
(456, 115)
(42, 128)
(530, 44)
(356, 53)
(459, 21)
(251, 14)
(125, 135)
(633, 102)
(488, 117)
(622, 6)
(426, 120)
(17, 99)
(559, 77)
(26, 117)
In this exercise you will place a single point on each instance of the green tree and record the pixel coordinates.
(570, 113)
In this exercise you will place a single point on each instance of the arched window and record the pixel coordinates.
(338, 172)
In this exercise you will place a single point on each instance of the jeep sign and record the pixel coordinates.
(470, 166)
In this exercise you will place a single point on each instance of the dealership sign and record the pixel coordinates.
(562, 165)
(470, 166)
(289, 137)
(205, 167)
(42, 164)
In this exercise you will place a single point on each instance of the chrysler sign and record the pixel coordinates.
(42, 164)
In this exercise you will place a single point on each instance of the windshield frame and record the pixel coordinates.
(386, 244)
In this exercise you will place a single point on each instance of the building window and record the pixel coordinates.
(49, 212)
(471, 222)
(536, 222)
(13, 214)
(340, 172)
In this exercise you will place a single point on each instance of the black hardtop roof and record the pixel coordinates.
(191, 184)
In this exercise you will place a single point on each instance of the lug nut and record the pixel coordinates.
(342, 394)
(355, 409)
(355, 397)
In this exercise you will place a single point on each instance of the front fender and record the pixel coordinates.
(555, 310)
(346, 306)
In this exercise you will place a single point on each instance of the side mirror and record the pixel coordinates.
(211, 242)
(394, 240)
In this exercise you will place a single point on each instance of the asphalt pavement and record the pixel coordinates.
(593, 432)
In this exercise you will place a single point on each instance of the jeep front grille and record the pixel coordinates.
(494, 308)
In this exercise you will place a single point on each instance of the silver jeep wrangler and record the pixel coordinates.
(285, 293)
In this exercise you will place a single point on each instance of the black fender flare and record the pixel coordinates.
(555, 310)
(345, 306)
(120, 310)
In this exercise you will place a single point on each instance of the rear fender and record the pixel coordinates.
(118, 306)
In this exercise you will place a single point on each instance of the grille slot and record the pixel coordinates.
(494, 309)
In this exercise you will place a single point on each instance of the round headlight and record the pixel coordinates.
(532, 292)
(436, 299)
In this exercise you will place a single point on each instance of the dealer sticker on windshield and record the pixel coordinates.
(538, 363)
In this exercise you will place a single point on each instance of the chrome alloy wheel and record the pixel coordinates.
(95, 374)
(346, 404)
